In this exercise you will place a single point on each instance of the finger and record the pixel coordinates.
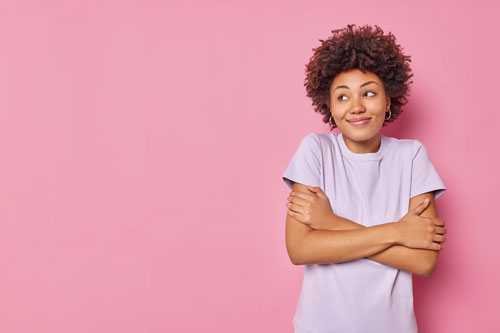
(302, 195)
(304, 201)
(321, 194)
(294, 215)
(440, 230)
(312, 188)
(318, 191)
(439, 238)
(421, 207)
(295, 208)
(437, 221)
(297, 200)
(435, 246)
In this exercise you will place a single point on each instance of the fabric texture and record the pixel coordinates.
(370, 189)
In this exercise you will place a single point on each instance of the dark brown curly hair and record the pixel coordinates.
(366, 49)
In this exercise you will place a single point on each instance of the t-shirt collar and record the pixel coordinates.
(346, 152)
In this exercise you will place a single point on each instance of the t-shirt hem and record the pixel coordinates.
(290, 179)
(298, 329)
(438, 188)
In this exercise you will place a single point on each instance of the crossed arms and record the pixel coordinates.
(347, 240)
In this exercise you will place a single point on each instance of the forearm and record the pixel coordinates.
(397, 256)
(333, 246)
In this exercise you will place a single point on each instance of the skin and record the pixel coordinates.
(370, 100)
(314, 234)
(410, 251)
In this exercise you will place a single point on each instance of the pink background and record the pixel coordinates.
(143, 145)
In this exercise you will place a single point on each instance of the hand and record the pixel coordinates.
(420, 232)
(312, 209)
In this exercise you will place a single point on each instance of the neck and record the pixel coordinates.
(371, 145)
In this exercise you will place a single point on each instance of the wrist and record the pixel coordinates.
(331, 222)
(394, 232)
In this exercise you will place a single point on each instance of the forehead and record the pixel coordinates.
(353, 78)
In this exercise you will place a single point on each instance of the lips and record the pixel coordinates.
(359, 121)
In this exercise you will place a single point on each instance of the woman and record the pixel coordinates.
(361, 214)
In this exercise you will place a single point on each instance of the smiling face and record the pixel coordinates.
(357, 95)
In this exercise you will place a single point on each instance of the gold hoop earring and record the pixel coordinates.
(390, 114)
(330, 121)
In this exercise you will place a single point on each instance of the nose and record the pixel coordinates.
(357, 106)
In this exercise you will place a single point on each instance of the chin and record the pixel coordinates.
(362, 137)
(361, 134)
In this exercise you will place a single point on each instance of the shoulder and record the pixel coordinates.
(400, 143)
(316, 141)
(321, 139)
(411, 148)
(401, 146)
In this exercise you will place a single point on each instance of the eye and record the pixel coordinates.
(368, 92)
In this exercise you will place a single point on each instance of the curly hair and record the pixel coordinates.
(366, 49)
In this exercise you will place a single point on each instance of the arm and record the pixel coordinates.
(417, 261)
(310, 246)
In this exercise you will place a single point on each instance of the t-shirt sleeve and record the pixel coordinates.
(305, 165)
(424, 176)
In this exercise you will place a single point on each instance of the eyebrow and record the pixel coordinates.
(361, 86)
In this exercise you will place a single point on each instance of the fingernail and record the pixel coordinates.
(426, 200)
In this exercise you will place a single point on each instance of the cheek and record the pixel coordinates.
(377, 106)
(337, 115)
(338, 110)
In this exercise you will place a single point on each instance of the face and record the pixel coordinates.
(354, 95)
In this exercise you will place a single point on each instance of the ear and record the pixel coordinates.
(388, 101)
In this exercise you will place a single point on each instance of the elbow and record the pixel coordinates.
(425, 274)
(428, 271)
(299, 249)
(297, 255)
(429, 263)
(296, 260)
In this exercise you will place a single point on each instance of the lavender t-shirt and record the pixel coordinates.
(360, 295)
